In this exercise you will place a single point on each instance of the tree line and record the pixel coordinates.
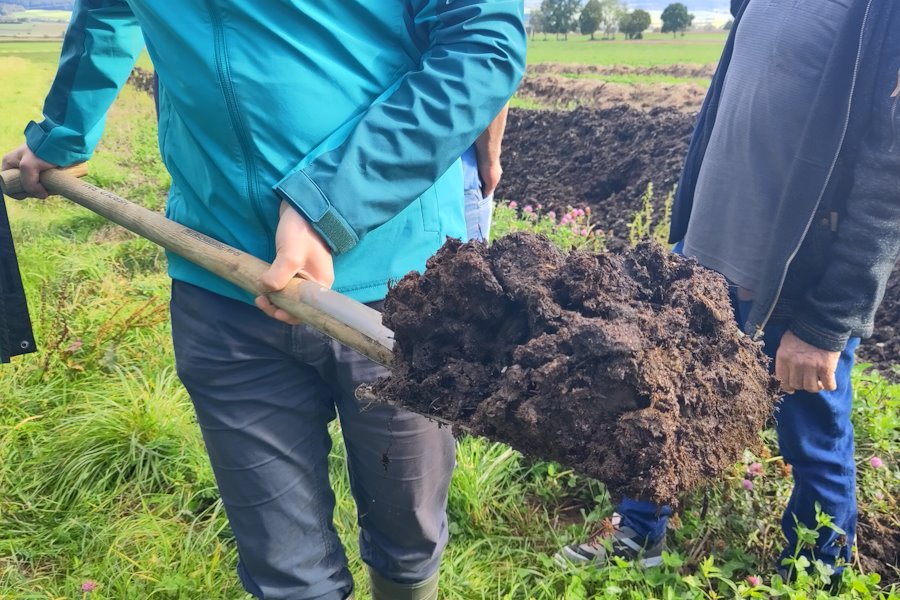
(608, 17)
(7, 8)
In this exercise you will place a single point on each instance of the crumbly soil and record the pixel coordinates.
(878, 540)
(883, 348)
(624, 366)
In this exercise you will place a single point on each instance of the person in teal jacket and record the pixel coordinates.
(323, 137)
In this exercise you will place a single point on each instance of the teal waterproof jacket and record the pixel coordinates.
(353, 111)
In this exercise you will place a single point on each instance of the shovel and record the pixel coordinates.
(353, 324)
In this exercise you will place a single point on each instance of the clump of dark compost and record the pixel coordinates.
(627, 367)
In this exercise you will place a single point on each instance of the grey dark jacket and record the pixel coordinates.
(16, 336)
(838, 223)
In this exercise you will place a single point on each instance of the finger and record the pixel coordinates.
(811, 380)
(783, 373)
(797, 382)
(321, 271)
(829, 382)
(278, 275)
(10, 161)
(286, 317)
(265, 305)
(31, 182)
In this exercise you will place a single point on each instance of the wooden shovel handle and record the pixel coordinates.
(347, 321)
(11, 182)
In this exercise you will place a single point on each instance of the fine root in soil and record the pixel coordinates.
(627, 367)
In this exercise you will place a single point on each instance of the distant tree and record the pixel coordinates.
(559, 16)
(634, 24)
(727, 26)
(591, 15)
(7, 8)
(537, 24)
(676, 18)
(610, 16)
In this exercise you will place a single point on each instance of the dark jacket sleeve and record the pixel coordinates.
(867, 245)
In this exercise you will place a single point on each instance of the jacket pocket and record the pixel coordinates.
(431, 218)
(821, 236)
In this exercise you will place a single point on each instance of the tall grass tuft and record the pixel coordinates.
(137, 433)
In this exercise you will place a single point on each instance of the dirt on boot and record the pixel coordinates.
(627, 367)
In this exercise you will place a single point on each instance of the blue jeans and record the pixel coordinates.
(816, 438)
(478, 215)
(264, 393)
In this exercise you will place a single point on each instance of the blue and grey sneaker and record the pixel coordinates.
(621, 541)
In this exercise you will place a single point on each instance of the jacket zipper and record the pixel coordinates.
(896, 96)
(237, 124)
(758, 334)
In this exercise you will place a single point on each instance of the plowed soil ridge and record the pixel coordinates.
(603, 159)
(558, 92)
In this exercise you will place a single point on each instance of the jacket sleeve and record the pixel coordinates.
(867, 245)
(413, 133)
(100, 48)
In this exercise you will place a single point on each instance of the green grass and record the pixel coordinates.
(103, 474)
(658, 50)
(526, 103)
(44, 15)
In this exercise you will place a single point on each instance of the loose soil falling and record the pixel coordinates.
(627, 367)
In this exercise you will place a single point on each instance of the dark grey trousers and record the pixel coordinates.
(264, 393)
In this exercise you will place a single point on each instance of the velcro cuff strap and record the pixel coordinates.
(49, 144)
(306, 197)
